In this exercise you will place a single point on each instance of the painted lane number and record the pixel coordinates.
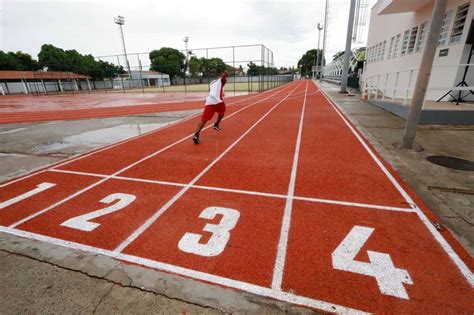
(39, 188)
(389, 278)
(83, 223)
(189, 243)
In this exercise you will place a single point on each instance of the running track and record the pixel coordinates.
(28, 109)
(288, 202)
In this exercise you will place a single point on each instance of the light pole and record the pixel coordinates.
(120, 20)
(186, 40)
(347, 53)
(318, 53)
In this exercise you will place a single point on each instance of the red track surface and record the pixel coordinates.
(286, 202)
(27, 109)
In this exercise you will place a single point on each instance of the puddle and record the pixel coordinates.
(52, 145)
(112, 134)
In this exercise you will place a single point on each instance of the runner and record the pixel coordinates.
(214, 103)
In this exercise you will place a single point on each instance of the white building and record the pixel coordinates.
(396, 38)
(151, 78)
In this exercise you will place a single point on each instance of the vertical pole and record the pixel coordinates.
(60, 86)
(385, 87)
(396, 87)
(407, 91)
(347, 54)
(140, 69)
(121, 79)
(125, 50)
(424, 73)
(325, 32)
(233, 64)
(88, 85)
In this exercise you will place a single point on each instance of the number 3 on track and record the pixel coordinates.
(389, 278)
(189, 243)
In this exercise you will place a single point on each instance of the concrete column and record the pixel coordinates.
(60, 86)
(25, 88)
(347, 54)
(424, 73)
(75, 84)
(44, 86)
(88, 85)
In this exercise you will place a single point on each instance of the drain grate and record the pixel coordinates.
(451, 162)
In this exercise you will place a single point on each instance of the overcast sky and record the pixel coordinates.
(288, 27)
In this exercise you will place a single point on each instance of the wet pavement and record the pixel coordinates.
(25, 147)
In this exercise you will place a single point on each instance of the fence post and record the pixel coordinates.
(396, 86)
(385, 87)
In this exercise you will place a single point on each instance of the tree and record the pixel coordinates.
(58, 59)
(338, 54)
(194, 66)
(211, 67)
(168, 60)
(308, 60)
(17, 61)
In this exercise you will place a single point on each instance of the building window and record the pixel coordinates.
(397, 44)
(421, 37)
(406, 36)
(411, 43)
(459, 21)
(390, 48)
(382, 51)
(379, 47)
(443, 35)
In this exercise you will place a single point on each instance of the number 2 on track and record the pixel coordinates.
(189, 243)
(82, 222)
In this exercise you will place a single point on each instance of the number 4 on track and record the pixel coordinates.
(389, 278)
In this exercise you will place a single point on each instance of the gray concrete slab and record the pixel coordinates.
(25, 147)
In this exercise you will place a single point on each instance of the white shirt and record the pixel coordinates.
(214, 97)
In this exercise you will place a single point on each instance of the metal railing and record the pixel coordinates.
(399, 85)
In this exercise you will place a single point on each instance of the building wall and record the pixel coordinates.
(383, 27)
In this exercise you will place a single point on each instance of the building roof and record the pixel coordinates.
(46, 75)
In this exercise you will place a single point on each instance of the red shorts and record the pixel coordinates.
(209, 111)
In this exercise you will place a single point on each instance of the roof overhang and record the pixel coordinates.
(401, 6)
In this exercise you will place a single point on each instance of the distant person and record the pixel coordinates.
(214, 104)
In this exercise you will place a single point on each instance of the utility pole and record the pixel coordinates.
(323, 62)
(318, 52)
(120, 20)
(186, 40)
(347, 53)
(424, 73)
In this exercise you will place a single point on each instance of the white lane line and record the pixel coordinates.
(42, 169)
(285, 226)
(244, 192)
(438, 237)
(235, 284)
(160, 211)
(34, 215)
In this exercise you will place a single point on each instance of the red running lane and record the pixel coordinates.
(74, 113)
(333, 165)
(318, 229)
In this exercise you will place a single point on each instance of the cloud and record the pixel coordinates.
(286, 27)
